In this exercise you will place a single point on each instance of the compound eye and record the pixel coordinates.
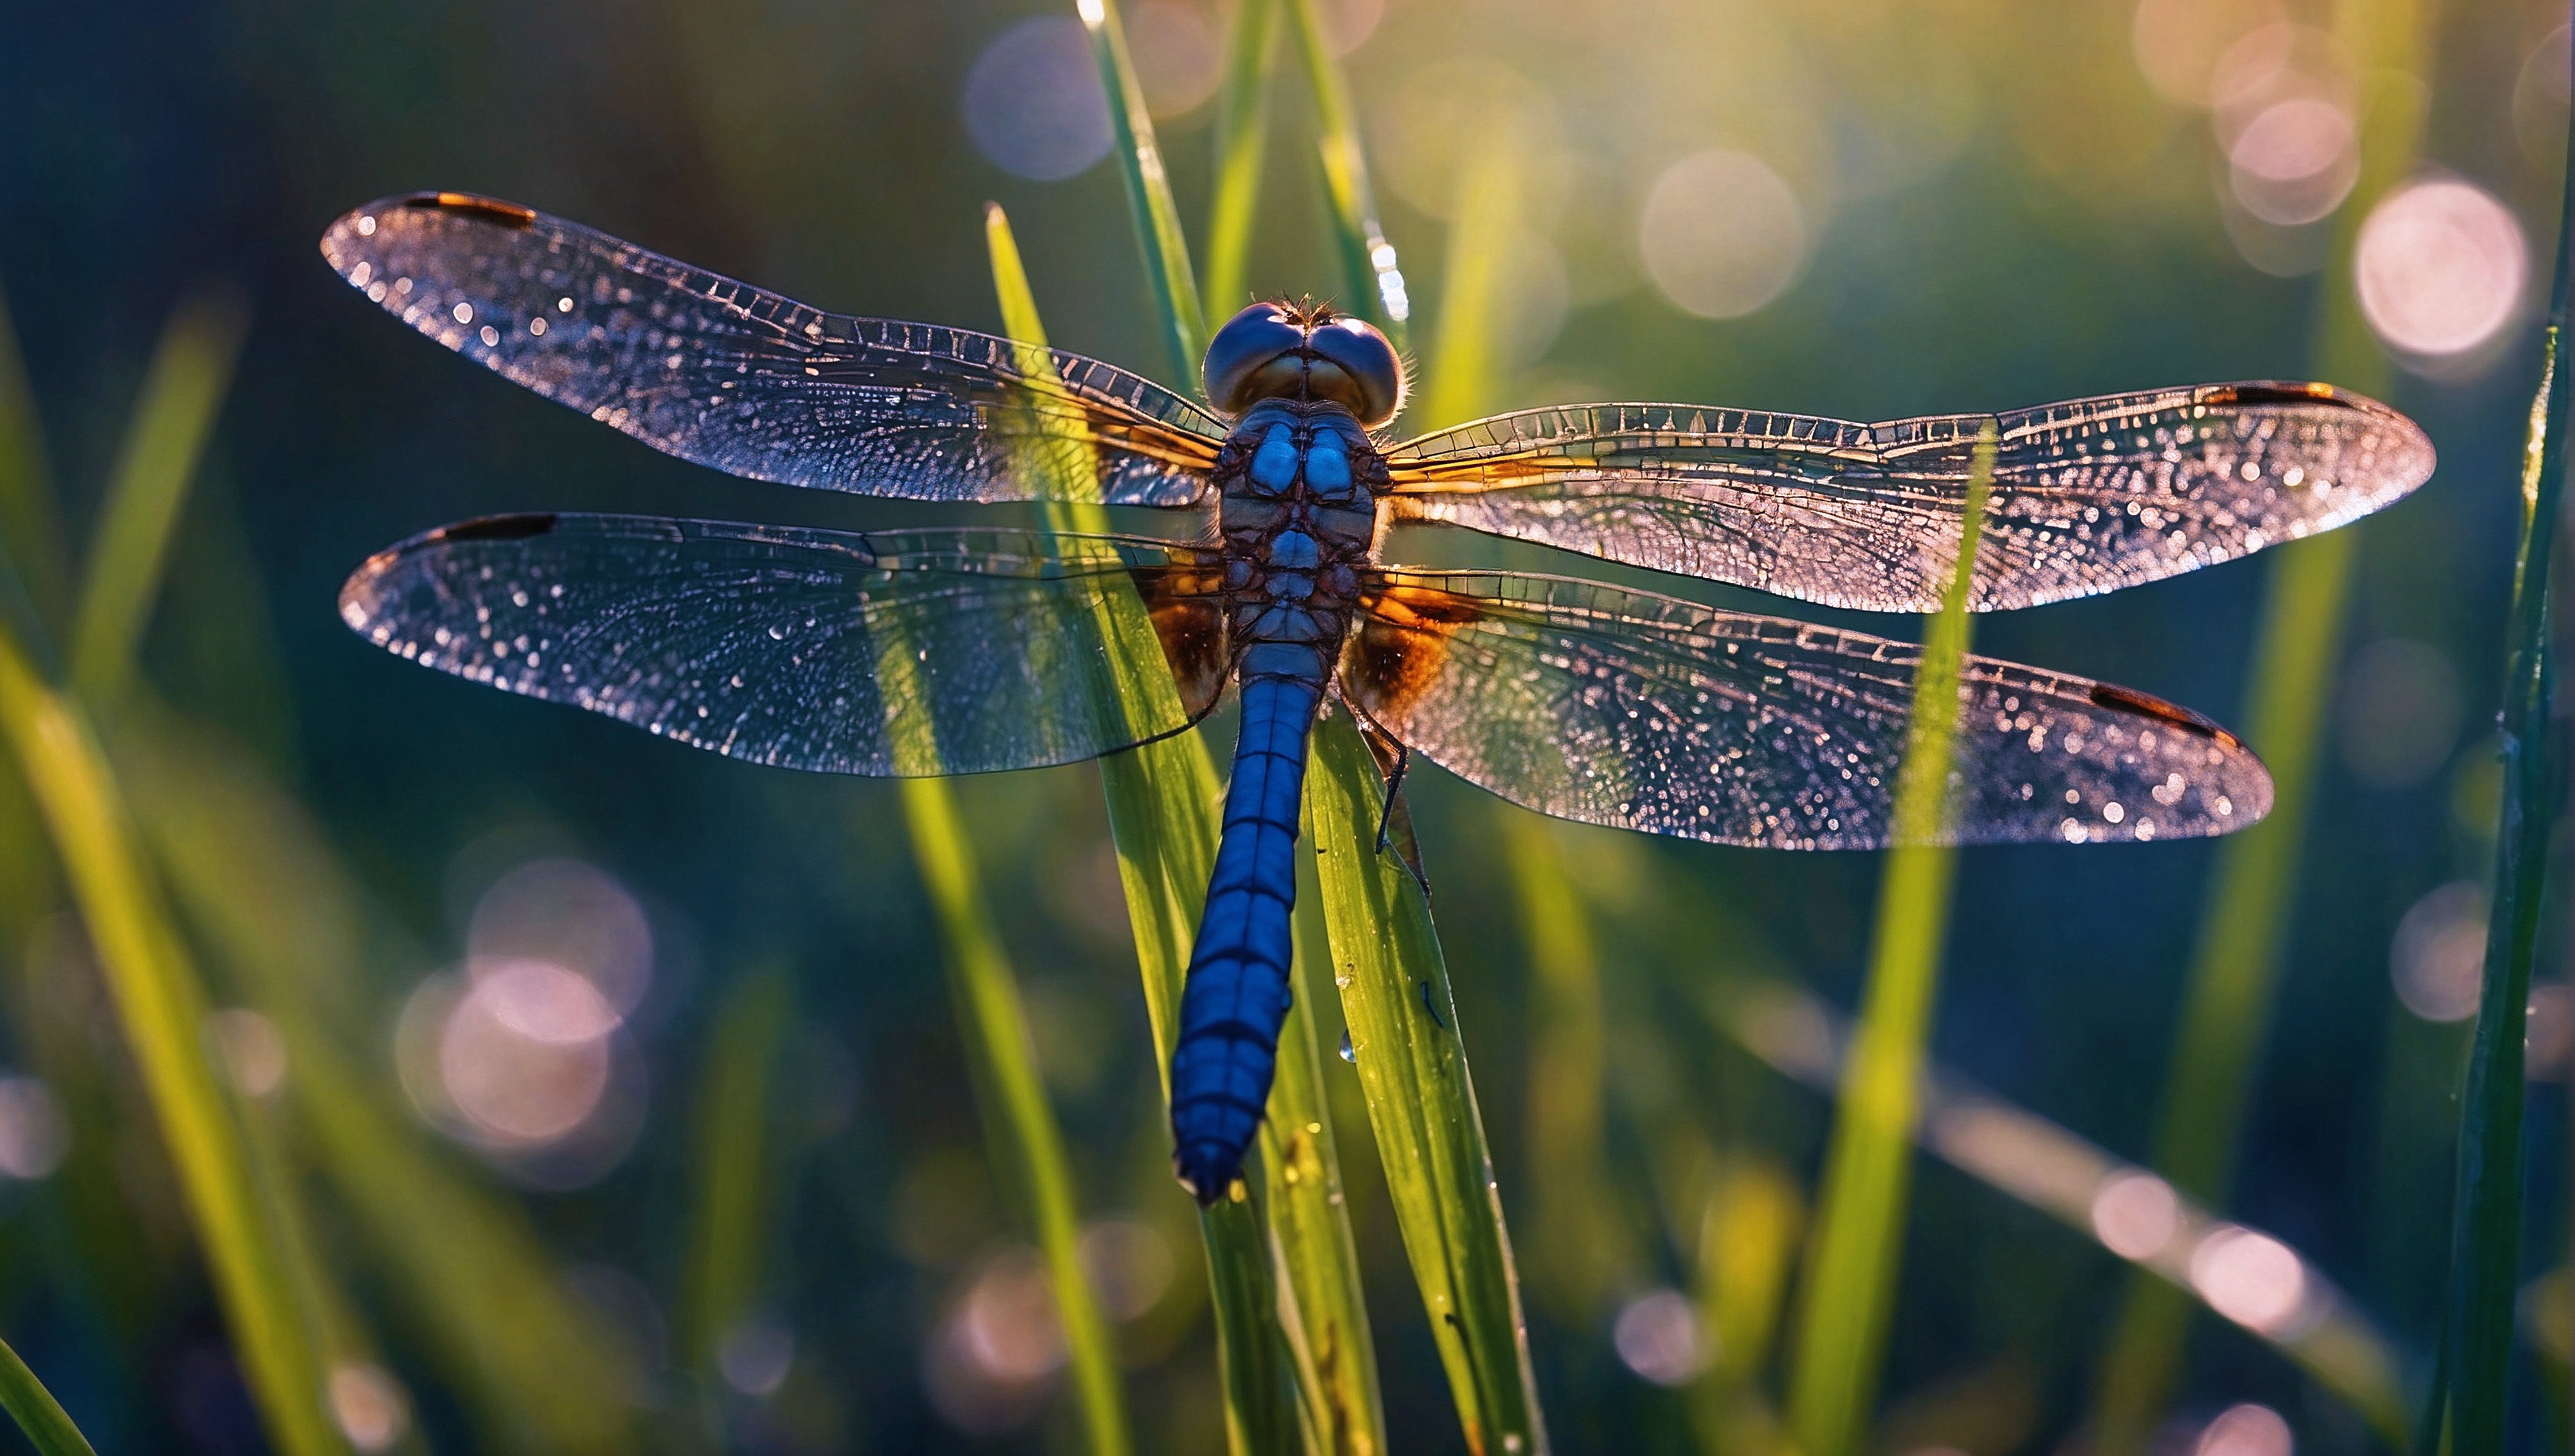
(1372, 362)
(1248, 339)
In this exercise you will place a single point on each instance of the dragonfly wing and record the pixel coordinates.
(2088, 496)
(1620, 708)
(726, 375)
(886, 653)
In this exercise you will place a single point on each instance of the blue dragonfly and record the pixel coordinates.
(975, 649)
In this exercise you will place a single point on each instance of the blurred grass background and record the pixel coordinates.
(773, 1224)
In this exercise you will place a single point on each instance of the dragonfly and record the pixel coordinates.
(981, 649)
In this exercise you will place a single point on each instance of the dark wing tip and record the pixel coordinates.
(515, 527)
(2409, 463)
(2145, 704)
(349, 238)
(488, 208)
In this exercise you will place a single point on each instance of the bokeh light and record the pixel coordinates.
(522, 1088)
(573, 914)
(996, 1354)
(2437, 961)
(1128, 1264)
(2135, 1216)
(2251, 1278)
(1034, 104)
(2177, 42)
(34, 1135)
(254, 1050)
(755, 1356)
(2246, 1430)
(2295, 161)
(2440, 268)
(2400, 713)
(1178, 56)
(1721, 234)
(369, 1405)
(1657, 1335)
(2549, 1035)
(1348, 24)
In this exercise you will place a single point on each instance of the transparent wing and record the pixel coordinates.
(1619, 708)
(2088, 496)
(892, 652)
(726, 375)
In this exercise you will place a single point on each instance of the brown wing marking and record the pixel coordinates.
(489, 209)
(2145, 704)
(1400, 639)
(1187, 613)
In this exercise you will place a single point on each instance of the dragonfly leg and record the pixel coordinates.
(1394, 817)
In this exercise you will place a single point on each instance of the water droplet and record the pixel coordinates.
(1349, 1053)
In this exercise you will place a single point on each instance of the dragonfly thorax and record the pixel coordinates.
(1297, 519)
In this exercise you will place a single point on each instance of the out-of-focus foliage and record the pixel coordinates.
(510, 1002)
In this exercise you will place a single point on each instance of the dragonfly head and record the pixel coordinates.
(1304, 350)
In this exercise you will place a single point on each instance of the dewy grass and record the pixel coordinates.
(2485, 1236)
(1148, 192)
(1242, 126)
(1163, 822)
(2235, 967)
(1413, 1068)
(1850, 1279)
(1368, 271)
(39, 1416)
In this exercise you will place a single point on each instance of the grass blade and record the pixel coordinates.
(1464, 375)
(1241, 125)
(1369, 265)
(2235, 966)
(1850, 1282)
(36, 1411)
(729, 1228)
(1412, 1068)
(1148, 192)
(2485, 1237)
(261, 885)
(996, 1029)
(162, 1006)
(182, 391)
(1163, 802)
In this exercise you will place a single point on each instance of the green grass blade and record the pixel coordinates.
(1369, 266)
(1464, 380)
(729, 1228)
(36, 1411)
(996, 1030)
(1163, 800)
(1325, 1321)
(1148, 192)
(1241, 125)
(1412, 1068)
(2235, 966)
(1851, 1280)
(163, 1008)
(2485, 1248)
(261, 885)
(182, 391)
(31, 528)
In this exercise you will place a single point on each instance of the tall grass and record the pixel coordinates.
(1148, 192)
(1369, 267)
(1851, 1278)
(2235, 966)
(160, 999)
(734, 1168)
(1242, 126)
(39, 1416)
(2485, 1234)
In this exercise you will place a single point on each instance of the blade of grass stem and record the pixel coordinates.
(1369, 265)
(1241, 125)
(1851, 1280)
(2485, 1237)
(1148, 192)
(1464, 378)
(1326, 1319)
(258, 880)
(728, 1228)
(2235, 965)
(182, 392)
(36, 1411)
(1163, 800)
(162, 1006)
(31, 528)
(995, 1025)
(1421, 1104)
